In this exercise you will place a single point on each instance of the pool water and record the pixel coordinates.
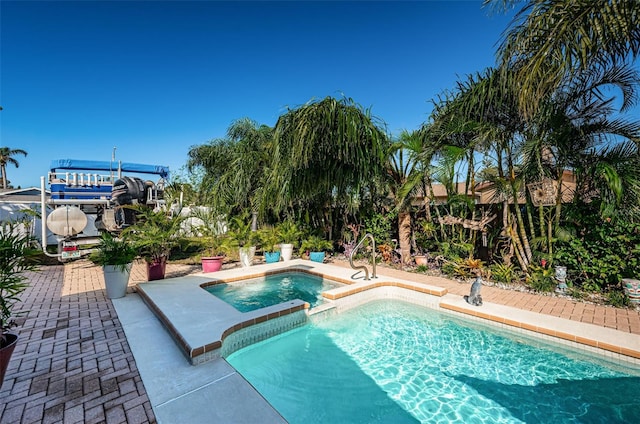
(249, 295)
(392, 362)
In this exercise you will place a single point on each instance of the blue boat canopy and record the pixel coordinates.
(94, 165)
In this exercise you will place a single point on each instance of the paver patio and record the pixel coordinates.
(73, 363)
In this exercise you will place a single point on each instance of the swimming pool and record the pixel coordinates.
(252, 294)
(389, 361)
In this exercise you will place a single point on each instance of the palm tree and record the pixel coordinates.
(325, 153)
(403, 181)
(551, 41)
(568, 131)
(235, 167)
(484, 110)
(574, 129)
(6, 157)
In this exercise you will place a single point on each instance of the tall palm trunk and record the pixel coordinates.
(558, 202)
(518, 248)
(521, 229)
(427, 201)
(443, 235)
(404, 234)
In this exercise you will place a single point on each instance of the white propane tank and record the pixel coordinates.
(66, 221)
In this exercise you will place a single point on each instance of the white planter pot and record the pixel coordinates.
(116, 280)
(246, 256)
(286, 250)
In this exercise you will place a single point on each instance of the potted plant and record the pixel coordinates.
(316, 246)
(290, 236)
(154, 235)
(270, 239)
(219, 245)
(420, 257)
(244, 237)
(115, 256)
(16, 258)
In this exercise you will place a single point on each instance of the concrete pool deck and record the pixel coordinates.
(85, 358)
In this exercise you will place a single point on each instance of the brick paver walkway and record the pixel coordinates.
(73, 364)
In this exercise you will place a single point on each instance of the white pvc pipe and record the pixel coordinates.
(78, 202)
(43, 220)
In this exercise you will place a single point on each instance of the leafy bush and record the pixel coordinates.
(113, 251)
(541, 279)
(464, 268)
(503, 273)
(422, 269)
(455, 250)
(16, 258)
(575, 293)
(380, 226)
(388, 253)
(601, 253)
(617, 298)
(316, 244)
(450, 268)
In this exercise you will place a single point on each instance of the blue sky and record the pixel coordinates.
(157, 77)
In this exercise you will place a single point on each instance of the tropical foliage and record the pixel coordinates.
(17, 256)
(551, 41)
(548, 130)
(155, 233)
(113, 251)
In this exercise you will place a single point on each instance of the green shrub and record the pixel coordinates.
(617, 298)
(541, 279)
(575, 293)
(422, 269)
(503, 273)
(464, 268)
(450, 268)
(17, 254)
(602, 251)
(380, 226)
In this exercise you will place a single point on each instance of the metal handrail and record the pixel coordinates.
(373, 257)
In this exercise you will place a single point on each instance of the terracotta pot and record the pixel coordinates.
(212, 263)
(5, 354)
(420, 260)
(156, 270)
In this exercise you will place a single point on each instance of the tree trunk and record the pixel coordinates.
(435, 206)
(404, 234)
(518, 250)
(4, 176)
(541, 219)
(528, 255)
(558, 203)
(427, 202)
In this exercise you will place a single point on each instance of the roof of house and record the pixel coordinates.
(21, 195)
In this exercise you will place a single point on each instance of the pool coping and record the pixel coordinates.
(200, 322)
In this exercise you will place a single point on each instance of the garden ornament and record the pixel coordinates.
(474, 297)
